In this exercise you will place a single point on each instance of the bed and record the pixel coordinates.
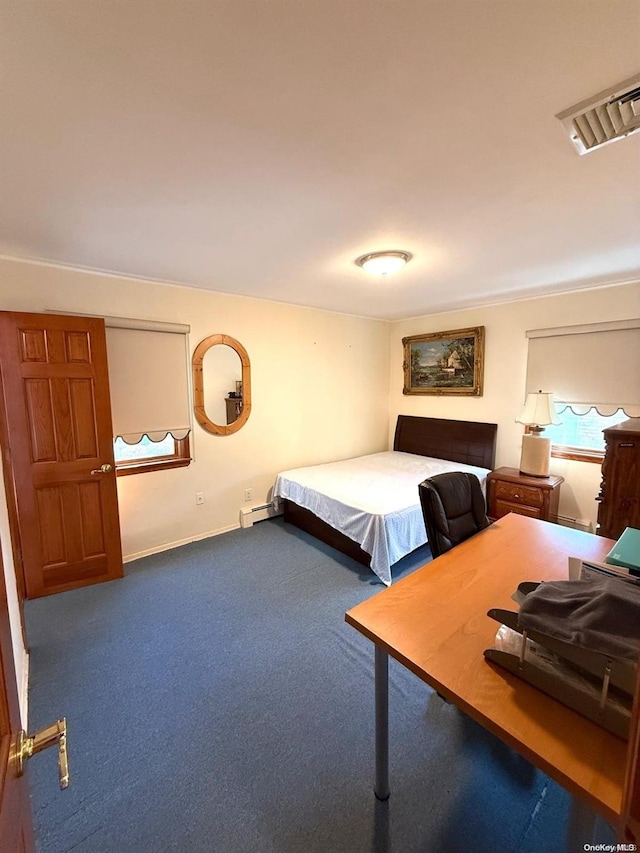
(368, 507)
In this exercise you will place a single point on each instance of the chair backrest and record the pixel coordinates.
(453, 508)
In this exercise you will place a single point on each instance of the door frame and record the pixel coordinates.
(15, 535)
(16, 821)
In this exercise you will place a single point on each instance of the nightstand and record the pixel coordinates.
(510, 491)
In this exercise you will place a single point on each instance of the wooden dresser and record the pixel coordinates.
(619, 497)
(234, 408)
(510, 491)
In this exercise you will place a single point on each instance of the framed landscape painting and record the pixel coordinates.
(445, 362)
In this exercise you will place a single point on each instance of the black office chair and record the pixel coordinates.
(453, 508)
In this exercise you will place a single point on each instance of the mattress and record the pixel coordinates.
(371, 499)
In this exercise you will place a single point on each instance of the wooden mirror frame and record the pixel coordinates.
(198, 384)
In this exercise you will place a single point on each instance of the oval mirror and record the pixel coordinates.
(221, 384)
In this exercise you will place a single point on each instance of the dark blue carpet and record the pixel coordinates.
(217, 701)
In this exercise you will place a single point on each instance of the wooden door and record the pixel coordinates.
(16, 832)
(57, 416)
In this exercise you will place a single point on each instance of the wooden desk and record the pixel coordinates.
(435, 623)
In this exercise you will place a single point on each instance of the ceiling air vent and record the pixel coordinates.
(607, 116)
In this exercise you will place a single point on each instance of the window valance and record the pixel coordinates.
(597, 364)
(148, 376)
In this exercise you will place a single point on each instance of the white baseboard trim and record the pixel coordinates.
(129, 558)
(23, 692)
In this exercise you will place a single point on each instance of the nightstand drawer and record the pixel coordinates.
(504, 508)
(516, 493)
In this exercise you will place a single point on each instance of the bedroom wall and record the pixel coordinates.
(319, 392)
(504, 374)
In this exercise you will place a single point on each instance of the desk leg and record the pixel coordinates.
(381, 788)
(582, 825)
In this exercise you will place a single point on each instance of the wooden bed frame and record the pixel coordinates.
(460, 441)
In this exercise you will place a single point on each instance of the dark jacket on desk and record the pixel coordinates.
(600, 615)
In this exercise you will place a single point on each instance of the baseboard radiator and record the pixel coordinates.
(250, 514)
(577, 523)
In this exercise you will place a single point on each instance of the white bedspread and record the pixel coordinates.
(371, 499)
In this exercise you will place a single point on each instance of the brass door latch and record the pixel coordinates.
(103, 469)
(54, 734)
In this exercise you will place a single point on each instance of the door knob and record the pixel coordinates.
(103, 469)
(54, 734)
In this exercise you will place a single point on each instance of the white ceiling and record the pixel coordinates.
(259, 146)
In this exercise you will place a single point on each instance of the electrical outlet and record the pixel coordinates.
(199, 498)
(248, 494)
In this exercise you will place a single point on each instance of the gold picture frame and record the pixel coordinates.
(444, 363)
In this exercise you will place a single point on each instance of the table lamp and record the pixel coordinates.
(538, 413)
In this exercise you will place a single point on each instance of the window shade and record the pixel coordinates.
(596, 364)
(148, 377)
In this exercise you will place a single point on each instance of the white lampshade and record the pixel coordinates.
(383, 263)
(539, 410)
(538, 413)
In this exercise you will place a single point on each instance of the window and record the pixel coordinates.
(149, 455)
(148, 378)
(594, 370)
(579, 436)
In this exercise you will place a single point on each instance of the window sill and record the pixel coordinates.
(126, 468)
(577, 455)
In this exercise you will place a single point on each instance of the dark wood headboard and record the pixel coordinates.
(461, 441)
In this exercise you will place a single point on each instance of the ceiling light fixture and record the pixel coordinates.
(384, 263)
